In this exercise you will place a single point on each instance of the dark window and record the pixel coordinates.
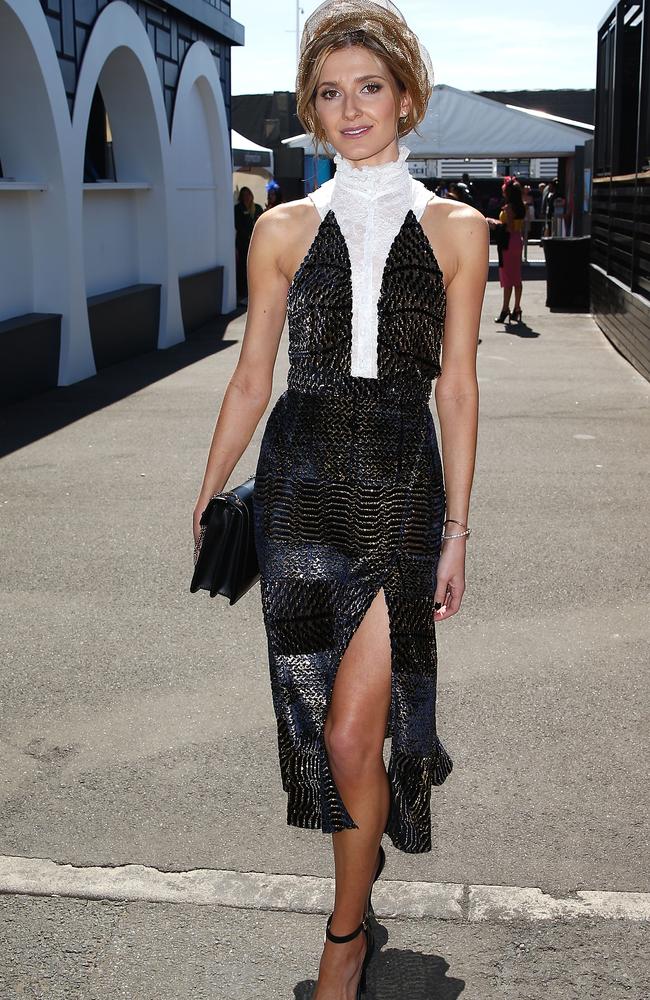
(604, 80)
(630, 82)
(618, 85)
(644, 103)
(99, 162)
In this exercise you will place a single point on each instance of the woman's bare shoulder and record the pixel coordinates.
(444, 210)
(286, 232)
(454, 231)
(455, 220)
(286, 221)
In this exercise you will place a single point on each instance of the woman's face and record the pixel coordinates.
(357, 101)
(247, 198)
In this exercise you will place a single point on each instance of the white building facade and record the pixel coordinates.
(116, 214)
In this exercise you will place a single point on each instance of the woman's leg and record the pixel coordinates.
(518, 291)
(354, 737)
(507, 290)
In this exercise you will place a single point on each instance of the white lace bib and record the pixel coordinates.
(370, 204)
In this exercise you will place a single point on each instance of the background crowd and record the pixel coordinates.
(513, 216)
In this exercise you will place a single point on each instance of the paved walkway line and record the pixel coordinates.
(307, 894)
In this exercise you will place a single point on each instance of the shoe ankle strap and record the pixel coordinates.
(342, 938)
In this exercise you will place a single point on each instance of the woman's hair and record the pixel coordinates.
(359, 22)
(242, 192)
(512, 194)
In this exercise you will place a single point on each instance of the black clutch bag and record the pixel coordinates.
(502, 239)
(225, 560)
(502, 235)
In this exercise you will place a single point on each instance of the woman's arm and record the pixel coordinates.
(456, 394)
(249, 388)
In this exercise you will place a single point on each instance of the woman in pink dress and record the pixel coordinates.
(512, 215)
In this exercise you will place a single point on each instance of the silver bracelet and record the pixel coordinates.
(459, 534)
(455, 522)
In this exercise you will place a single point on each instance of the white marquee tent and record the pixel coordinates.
(248, 153)
(459, 123)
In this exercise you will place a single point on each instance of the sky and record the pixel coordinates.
(474, 44)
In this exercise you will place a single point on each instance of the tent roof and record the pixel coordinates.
(247, 155)
(238, 141)
(572, 103)
(459, 123)
(554, 118)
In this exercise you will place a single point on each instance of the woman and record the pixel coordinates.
(247, 212)
(512, 216)
(376, 274)
(273, 195)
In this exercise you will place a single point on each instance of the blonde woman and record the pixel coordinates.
(360, 540)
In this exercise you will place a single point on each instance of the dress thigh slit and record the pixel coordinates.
(339, 656)
(301, 706)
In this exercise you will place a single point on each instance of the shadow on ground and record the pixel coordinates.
(33, 418)
(398, 972)
(521, 329)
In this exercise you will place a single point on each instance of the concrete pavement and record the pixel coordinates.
(93, 950)
(136, 719)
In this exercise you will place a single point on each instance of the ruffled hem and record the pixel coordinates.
(313, 801)
(411, 778)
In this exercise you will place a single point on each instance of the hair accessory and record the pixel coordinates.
(329, 7)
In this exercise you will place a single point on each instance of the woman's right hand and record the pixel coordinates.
(196, 522)
(201, 504)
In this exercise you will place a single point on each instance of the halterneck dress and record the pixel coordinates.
(349, 494)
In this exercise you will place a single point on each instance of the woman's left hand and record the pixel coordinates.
(450, 585)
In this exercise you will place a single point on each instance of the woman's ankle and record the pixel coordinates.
(346, 922)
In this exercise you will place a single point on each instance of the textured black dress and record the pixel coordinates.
(349, 498)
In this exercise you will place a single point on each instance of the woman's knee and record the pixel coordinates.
(350, 750)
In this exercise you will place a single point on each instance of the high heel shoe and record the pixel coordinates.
(370, 947)
(516, 315)
(503, 315)
(380, 868)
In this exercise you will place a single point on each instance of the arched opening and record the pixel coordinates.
(203, 210)
(196, 210)
(124, 211)
(33, 228)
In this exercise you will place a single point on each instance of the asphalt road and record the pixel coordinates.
(136, 724)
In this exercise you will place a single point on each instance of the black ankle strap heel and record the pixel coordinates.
(343, 938)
